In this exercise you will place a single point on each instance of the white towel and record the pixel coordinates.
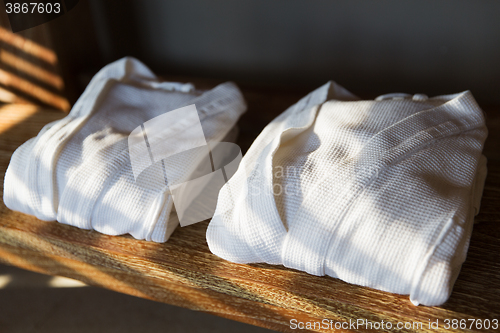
(78, 170)
(378, 193)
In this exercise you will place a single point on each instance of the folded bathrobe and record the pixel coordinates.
(78, 169)
(379, 193)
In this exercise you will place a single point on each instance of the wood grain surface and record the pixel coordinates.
(183, 272)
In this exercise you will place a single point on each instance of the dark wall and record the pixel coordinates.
(370, 47)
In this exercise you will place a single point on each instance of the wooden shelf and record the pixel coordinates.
(183, 272)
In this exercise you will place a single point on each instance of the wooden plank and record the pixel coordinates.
(183, 272)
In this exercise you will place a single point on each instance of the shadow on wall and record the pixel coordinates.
(29, 68)
(431, 47)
